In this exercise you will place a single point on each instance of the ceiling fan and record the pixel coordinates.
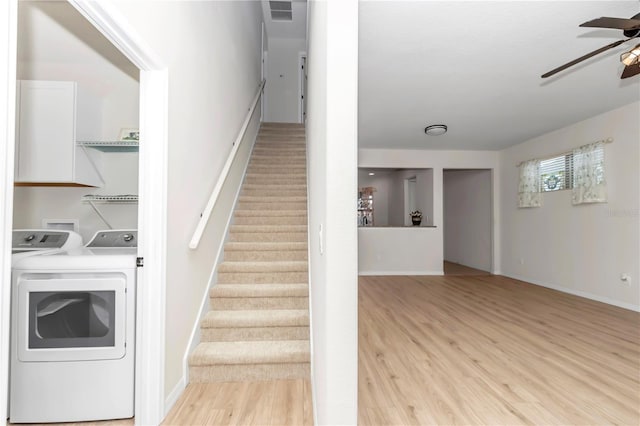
(630, 28)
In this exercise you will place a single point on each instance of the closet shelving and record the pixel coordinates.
(92, 199)
(100, 198)
(111, 146)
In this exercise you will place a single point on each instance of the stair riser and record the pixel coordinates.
(278, 158)
(272, 206)
(253, 334)
(258, 303)
(282, 171)
(281, 136)
(270, 220)
(248, 372)
(262, 278)
(276, 180)
(258, 229)
(261, 290)
(264, 237)
(274, 192)
(265, 256)
(273, 187)
(269, 151)
(279, 161)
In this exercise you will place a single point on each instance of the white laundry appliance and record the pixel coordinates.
(29, 242)
(73, 332)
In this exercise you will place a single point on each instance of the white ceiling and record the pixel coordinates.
(296, 28)
(476, 67)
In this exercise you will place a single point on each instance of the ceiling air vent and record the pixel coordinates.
(281, 10)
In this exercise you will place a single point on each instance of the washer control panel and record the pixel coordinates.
(43, 239)
(115, 238)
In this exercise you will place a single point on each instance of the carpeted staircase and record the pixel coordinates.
(258, 326)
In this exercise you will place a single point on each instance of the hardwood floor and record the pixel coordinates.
(277, 402)
(451, 268)
(491, 350)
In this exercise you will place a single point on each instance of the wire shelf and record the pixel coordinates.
(111, 146)
(96, 198)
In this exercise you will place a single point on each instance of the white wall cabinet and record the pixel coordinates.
(52, 116)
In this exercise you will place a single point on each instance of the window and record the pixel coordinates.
(557, 173)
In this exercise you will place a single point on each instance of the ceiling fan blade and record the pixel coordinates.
(618, 23)
(630, 70)
(583, 58)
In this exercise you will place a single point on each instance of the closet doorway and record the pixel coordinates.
(468, 221)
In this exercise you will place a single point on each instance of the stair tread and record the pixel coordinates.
(252, 352)
(259, 290)
(256, 318)
(268, 266)
(260, 246)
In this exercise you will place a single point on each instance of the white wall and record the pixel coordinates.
(582, 249)
(81, 54)
(398, 251)
(332, 172)
(212, 51)
(438, 161)
(283, 80)
(467, 217)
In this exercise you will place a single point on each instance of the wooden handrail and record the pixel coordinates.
(213, 198)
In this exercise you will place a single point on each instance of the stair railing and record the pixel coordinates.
(213, 198)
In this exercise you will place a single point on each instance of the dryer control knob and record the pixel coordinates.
(127, 237)
(29, 237)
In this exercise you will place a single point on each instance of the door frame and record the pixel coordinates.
(302, 59)
(150, 308)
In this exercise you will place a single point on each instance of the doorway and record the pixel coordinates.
(468, 221)
(302, 87)
(152, 185)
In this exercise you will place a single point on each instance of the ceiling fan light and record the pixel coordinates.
(631, 57)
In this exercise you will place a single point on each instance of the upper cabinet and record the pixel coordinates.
(51, 117)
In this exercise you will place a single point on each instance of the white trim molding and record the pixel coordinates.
(579, 293)
(8, 48)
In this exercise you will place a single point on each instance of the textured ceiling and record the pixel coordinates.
(476, 67)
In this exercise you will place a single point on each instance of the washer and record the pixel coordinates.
(73, 332)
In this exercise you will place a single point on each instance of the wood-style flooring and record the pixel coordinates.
(277, 402)
(451, 268)
(489, 350)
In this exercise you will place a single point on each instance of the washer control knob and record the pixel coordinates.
(127, 237)
(29, 237)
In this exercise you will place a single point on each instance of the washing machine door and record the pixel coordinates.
(71, 318)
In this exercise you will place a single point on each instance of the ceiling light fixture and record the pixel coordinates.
(371, 174)
(631, 57)
(436, 129)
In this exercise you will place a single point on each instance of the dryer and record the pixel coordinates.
(73, 332)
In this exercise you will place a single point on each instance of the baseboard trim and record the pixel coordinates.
(368, 273)
(579, 293)
(174, 395)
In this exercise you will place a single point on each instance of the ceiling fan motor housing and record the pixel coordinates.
(634, 32)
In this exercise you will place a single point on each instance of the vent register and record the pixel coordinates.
(281, 10)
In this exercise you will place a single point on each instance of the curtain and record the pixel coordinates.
(589, 185)
(529, 194)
